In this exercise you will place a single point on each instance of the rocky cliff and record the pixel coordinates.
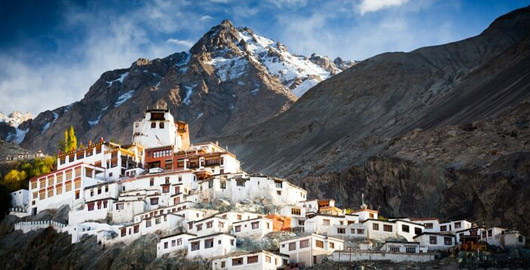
(230, 79)
(439, 131)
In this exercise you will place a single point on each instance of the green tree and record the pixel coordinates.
(15, 176)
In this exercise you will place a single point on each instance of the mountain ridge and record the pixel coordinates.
(224, 83)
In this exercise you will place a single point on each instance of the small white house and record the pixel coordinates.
(310, 250)
(20, 198)
(207, 226)
(262, 260)
(254, 228)
(512, 239)
(403, 247)
(436, 241)
(171, 243)
(219, 244)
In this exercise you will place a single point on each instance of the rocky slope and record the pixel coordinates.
(229, 80)
(348, 134)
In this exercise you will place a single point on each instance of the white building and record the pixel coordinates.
(385, 229)
(310, 250)
(403, 247)
(158, 128)
(171, 243)
(262, 260)
(20, 198)
(330, 225)
(253, 228)
(219, 244)
(208, 226)
(436, 241)
(239, 187)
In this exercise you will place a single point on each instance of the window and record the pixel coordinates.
(279, 193)
(484, 234)
(341, 230)
(304, 243)
(458, 225)
(153, 125)
(223, 264)
(152, 182)
(331, 245)
(387, 228)
(91, 192)
(410, 250)
(167, 180)
(154, 201)
(239, 217)
(165, 245)
(252, 259)
(278, 184)
(223, 184)
(255, 225)
(295, 211)
(195, 245)
(165, 189)
(161, 125)
(209, 224)
(360, 231)
(157, 220)
(106, 188)
(394, 249)
(520, 238)
(240, 183)
(375, 227)
(325, 222)
(50, 193)
(237, 261)
(448, 241)
(490, 233)
(268, 259)
(443, 228)
(148, 223)
(319, 244)
(179, 242)
(372, 215)
(99, 190)
(208, 243)
(417, 230)
(119, 206)
(173, 243)
(136, 228)
(237, 228)
(432, 240)
(405, 228)
(292, 246)
(199, 227)
(428, 226)
(90, 206)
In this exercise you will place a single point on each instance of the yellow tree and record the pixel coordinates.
(72, 139)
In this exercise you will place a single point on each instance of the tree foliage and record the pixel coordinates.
(22, 171)
(69, 143)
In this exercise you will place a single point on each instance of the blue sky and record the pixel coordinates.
(51, 52)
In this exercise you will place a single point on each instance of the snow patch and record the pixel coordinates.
(95, 122)
(124, 97)
(19, 136)
(229, 69)
(200, 115)
(187, 98)
(304, 87)
(255, 90)
(47, 126)
(282, 64)
(120, 79)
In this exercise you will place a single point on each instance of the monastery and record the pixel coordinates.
(187, 194)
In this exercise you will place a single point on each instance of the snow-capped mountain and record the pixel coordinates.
(15, 118)
(228, 81)
(297, 72)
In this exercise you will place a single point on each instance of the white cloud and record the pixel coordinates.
(112, 42)
(179, 42)
(205, 18)
(366, 6)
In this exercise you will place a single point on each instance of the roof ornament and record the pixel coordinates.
(363, 205)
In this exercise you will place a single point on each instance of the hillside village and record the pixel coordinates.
(203, 205)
